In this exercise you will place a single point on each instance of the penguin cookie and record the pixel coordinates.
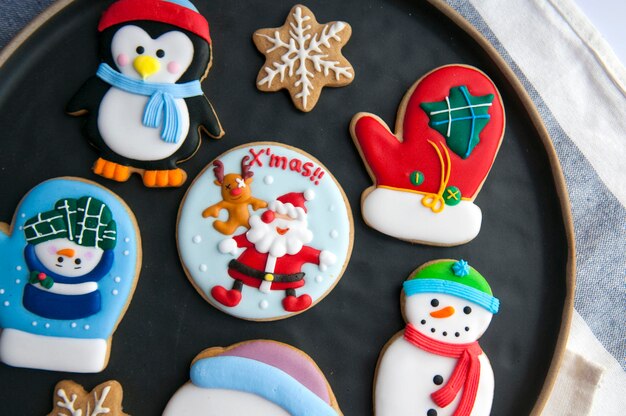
(69, 265)
(259, 377)
(435, 367)
(428, 172)
(145, 106)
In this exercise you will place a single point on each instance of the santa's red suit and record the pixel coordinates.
(265, 271)
(286, 271)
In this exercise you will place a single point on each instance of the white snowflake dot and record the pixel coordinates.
(6, 303)
(1, 291)
(20, 228)
(117, 279)
(34, 323)
(203, 268)
(114, 292)
(263, 304)
(73, 324)
(18, 268)
(47, 325)
(127, 240)
(126, 252)
(87, 327)
(269, 179)
(319, 278)
(18, 281)
(23, 215)
(334, 234)
(197, 239)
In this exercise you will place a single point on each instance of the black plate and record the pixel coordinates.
(522, 248)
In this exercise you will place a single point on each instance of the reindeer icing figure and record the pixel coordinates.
(236, 197)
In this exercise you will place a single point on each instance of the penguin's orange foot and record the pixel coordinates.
(111, 170)
(164, 178)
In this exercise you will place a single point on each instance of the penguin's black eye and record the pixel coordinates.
(160, 53)
(140, 50)
(434, 303)
(60, 260)
(77, 261)
(467, 310)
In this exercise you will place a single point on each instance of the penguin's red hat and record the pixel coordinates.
(179, 13)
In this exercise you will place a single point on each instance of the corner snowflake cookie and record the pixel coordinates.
(303, 56)
(70, 399)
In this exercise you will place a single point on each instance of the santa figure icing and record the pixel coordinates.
(274, 251)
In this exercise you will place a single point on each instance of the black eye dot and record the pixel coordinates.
(431, 412)
(432, 329)
(456, 334)
(438, 380)
(445, 334)
(467, 328)
(423, 321)
(434, 303)
(467, 310)
(60, 260)
(160, 53)
(77, 261)
(140, 50)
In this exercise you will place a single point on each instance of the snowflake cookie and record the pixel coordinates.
(303, 56)
(70, 399)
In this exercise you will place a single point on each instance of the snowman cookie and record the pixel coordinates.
(69, 265)
(264, 232)
(435, 367)
(71, 399)
(427, 174)
(261, 378)
(145, 105)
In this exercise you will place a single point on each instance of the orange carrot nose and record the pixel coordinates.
(443, 312)
(67, 252)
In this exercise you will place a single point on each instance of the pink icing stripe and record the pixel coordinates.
(286, 359)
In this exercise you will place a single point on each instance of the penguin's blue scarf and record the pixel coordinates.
(161, 109)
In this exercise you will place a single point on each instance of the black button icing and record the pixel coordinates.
(438, 380)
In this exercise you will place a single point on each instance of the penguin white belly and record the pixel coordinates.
(191, 400)
(405, 381)
(120, 124)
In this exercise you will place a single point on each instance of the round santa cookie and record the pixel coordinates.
(260, 377)
(435, 366)
(69, 266)
(145, 105)
(264, 232)
(71, 399)
(427, 174)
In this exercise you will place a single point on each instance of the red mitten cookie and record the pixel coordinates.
(448, 131)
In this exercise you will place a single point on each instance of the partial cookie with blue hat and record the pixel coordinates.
(435, 366)
(259, 377)
(145, 105)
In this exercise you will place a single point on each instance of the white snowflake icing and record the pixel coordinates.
(301, 47)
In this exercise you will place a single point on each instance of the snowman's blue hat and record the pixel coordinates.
(455, 278)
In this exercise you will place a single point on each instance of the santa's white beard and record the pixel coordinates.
(267, 240)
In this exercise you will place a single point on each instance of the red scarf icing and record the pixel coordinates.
(465, 375)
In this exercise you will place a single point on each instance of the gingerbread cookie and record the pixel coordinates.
(69, 265)
(436, 366)
(71, 399)
(145, 105)
(264, 232)
(426, 175)
(303, 56)
(261, 378)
